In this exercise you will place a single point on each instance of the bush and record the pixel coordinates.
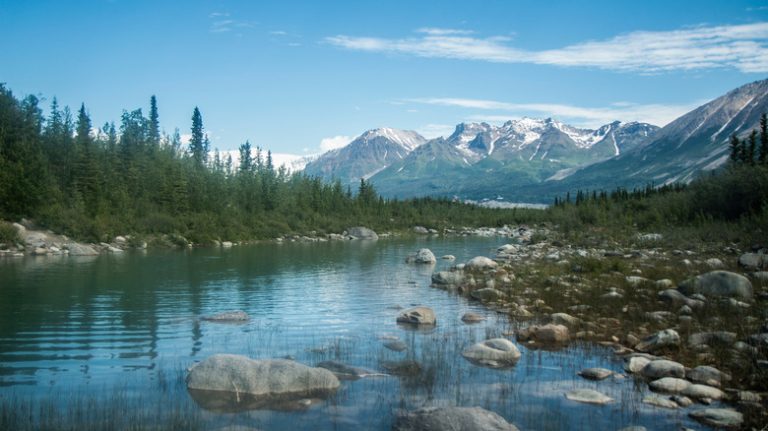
(8, 234)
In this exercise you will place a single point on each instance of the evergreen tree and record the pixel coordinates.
(763, 153)
(197, 142)
(735, 146)
(750, 149)
(246, 159)
(154, 124)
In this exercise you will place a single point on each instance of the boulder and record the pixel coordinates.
(77, 249)
(565, 320)
(264, 378)
(452, 418)
(658, 401)
(448, 257)
(753, 261)
(470, 317)
(480, 263)
(21, 231)
(396, 345)
(712, 338)
(714, 263)
(700, 392)
(663, 368)
(448, 278)
(635, 364)
(595, 373)
(668, 338)
(669, 385)
(343, 371)
(421, 230)
(707, 375)
(417, 316)
(493, 352)
(360, 232)
(235, 316)
(488, 294)
(405, 368)
(424, 255)
(549, 333)
(226, 244)
(726, 418)
(588, 396)
(718, 283)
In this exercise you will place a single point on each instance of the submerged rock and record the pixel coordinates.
(595, 373)
(418, 316)
(718, 283)
(658, 401)
(452, 418)
(588, 396)
(494, 352)
(263, 380)
(424, 255)
(470, 317)
(236, 316)
(396, 345)
(402, 368)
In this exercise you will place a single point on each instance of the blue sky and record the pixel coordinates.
(295, 77)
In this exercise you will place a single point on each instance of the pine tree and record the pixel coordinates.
(87, 174)
(246, 159)
(154, 124)
(735, 146)
(763, 153)
(750, 149)
(197, 141)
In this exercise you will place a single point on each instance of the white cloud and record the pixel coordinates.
(431, 131)
(332, 143)
(657, 114)
(185, 138)
(741, 47)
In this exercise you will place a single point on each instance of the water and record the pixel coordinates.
(106, 340)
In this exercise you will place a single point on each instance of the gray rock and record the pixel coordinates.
(448, 278)
(360, 232)
(635, 364)
(753, 261)
(595, 373)
(421, 230)
(77, 249)
(494, 352)
(396, 345)
(226, 244)
(658, 401)
(548, 333)
(713, 338)
(634, 280)
(236, 316)
(663, 368)
(699, 392)
(472, 318)
(726, 418)
(406, 368)
(488, 294)
(588, 396)
(343, 371)
(268, 377)
(718, 283)
(681, 400)
(480, 263)
(634, 428)
(448, 257)
(424, 256)
(760, 275)
(707, 375)
(20, 230)
(669, 385)
(565, 320)
(417, 316)
(668, 338)
(452, 418)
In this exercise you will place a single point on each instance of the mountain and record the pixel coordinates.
(480, 160)
(368, 154)
(694, 143)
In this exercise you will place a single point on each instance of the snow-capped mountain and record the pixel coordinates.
(366, 155)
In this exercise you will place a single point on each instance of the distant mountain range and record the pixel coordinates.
(533, 160)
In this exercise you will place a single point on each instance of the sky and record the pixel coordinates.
(301, 77)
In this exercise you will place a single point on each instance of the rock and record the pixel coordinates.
(40, 251)
(634, 428)
(707, 375)
(424, 255)
(404, 368)
(658, 401)
(669, 385)
(267, 377)
(493, 352)
(664, 283)
(360, 232)
(488, 294)
(650, 237)
(448, 278)
(681, 400)
(549, 333)
(718, 283)
(421, 230)
(396, 345)
(663, 368)
(753, 261)
(588, 396)
(668, 338)
(452, 418)
(634, 280)
(713, 338)
(417, 316)
(714, 263)
(448, 257)
(565, 319)
(228, 316)
(226, 244)
(595, 373)
(674, 298)
(77, 249)
(480, 263)
(120, 240)
(699, 392)
(760, 275)
(472, 317)
(635, 364)
(343, 371)
(726, 418)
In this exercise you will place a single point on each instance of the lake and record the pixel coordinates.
(104, 342)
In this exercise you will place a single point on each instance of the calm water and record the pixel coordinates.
(123, 328)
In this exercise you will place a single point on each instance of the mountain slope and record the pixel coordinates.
(368, 154)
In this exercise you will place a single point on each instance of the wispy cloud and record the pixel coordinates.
(741, 47)
(335, 142)
(658, 114)
(431, 131)
(221, 22)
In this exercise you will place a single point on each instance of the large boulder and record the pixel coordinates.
(669, 385)
(663, 368)
(546, 334)
(588, 396)
(77, 249)
(493, 352)
(718, 283)
(267, 378)
(448, 278)
(360, 232)
(417, 316)
(452, 418)
(565, 320)
(724, 418)
(754, 261)
(668, 338)
(480, 263)
(488, 294)
(424, 255)
(707, 375)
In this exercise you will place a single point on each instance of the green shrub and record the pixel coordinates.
(8, 234)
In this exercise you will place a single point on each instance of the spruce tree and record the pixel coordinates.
(763, 153)
(735, 146)
(197, 141)
(246, 159)
(750, 149)
(154, 124)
